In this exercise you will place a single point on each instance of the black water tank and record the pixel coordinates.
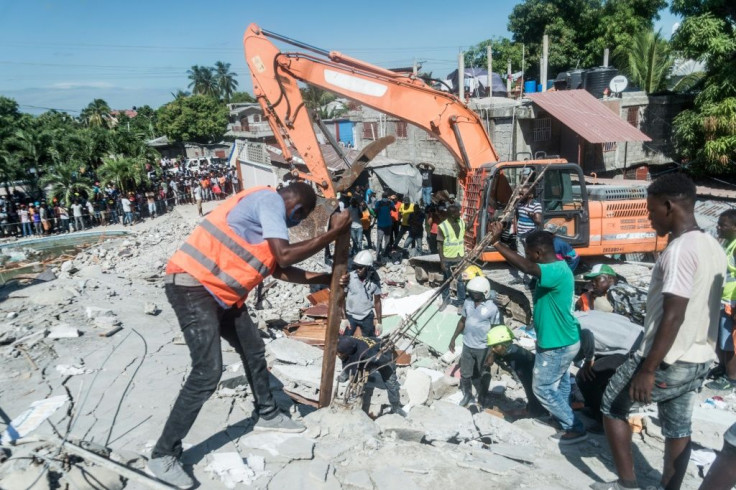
(596, 80)
(569, 80)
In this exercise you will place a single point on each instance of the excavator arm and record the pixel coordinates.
(275, 85)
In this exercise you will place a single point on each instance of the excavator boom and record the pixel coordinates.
(275, 75)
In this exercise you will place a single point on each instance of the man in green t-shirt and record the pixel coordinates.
(558, 331)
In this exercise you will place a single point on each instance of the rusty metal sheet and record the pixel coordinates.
(587, 116)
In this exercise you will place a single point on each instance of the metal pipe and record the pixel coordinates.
(460, 143)
(294, 42)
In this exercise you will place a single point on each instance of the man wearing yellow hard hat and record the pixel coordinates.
(517, 361)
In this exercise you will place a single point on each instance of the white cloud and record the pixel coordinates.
(77, 85)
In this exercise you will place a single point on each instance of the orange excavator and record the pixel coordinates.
(595, 220)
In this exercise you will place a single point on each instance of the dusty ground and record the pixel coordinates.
(127, 384)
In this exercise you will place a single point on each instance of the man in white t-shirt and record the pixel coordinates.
(680, 332)
(77, 213)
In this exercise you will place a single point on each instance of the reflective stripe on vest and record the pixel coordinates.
(586, 302)
(729, 288)
(453, 245)
(227, 265)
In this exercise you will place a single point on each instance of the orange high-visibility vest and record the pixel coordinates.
(586, 301)
(227, 265)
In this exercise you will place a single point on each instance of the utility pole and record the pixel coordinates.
(508, 78)
(489, 54)
(523, 70)
(605, 57)
(545, 57)
(461, 76)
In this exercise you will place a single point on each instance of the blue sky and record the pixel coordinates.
(62, 54)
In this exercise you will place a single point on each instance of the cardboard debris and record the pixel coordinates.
(31, 419)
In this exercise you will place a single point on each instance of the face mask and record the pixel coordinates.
(477, 296)
(290, 220)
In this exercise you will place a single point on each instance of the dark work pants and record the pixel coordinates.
(367, 328)
(203, 321)
(521, 361)
(604, 368)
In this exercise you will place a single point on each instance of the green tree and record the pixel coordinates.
(197, 118)
(705, 136)
(180, 94)
(66, 180)
(241, 97)
(202, 81)
(503, 51)
(97, 114)
(578, 30)
(646, 61)
(127, 173)
(225, 80)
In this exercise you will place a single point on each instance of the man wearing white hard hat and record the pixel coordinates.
(478, 315)
(362, 298)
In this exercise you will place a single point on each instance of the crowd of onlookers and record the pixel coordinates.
(23, 216)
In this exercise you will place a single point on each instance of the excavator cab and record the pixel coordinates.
(564, 201)
(561, 193)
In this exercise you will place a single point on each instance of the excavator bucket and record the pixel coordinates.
(361, 162)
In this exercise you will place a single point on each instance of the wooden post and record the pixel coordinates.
(340, 268)
(334, 315)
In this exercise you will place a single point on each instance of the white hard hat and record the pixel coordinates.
(480, 285)
(364, 258)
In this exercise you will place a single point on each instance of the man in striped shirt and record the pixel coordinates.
(528, 218)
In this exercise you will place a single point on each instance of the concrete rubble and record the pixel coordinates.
(111, 395)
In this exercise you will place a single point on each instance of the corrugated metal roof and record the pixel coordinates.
(587, 116)
(707, 213)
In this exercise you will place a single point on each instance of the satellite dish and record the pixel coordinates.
(618, 84)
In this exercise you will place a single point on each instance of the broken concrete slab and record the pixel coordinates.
(397, 426)
(292, 351)
(63, 331)
(269, 442)
(444, 421)
(230, 469)
(93, 312)
(296, 448)
(393, 478)
(342, 422)
(418, 385)
(305, 475)
(498, 430)
(332, 449)
(524, 454)
(484, 460)
(84, 477)
(359, 480)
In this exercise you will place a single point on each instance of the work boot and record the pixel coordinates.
(396, 408)
(280, 423)
(168, 469)
(467, 399)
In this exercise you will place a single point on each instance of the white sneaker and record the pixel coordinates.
(168, 469)
(280, 423)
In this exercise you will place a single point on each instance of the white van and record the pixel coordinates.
(197, 164)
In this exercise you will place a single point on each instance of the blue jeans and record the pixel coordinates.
(551, 384)
(675, 391)
(427, 195)
(725, 332)
(460, 283)
(128, 218)
(356, 235)
(27, 230)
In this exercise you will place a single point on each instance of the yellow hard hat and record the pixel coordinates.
(499, 334)
(472, 271)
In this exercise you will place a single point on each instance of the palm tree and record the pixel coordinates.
(646, 61)
(125, 172)
(66, 181)
(203, 81)
(10, 169)
(180, 94)
(225, 80)
(97, 114)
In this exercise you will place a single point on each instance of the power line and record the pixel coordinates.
(48, 108)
